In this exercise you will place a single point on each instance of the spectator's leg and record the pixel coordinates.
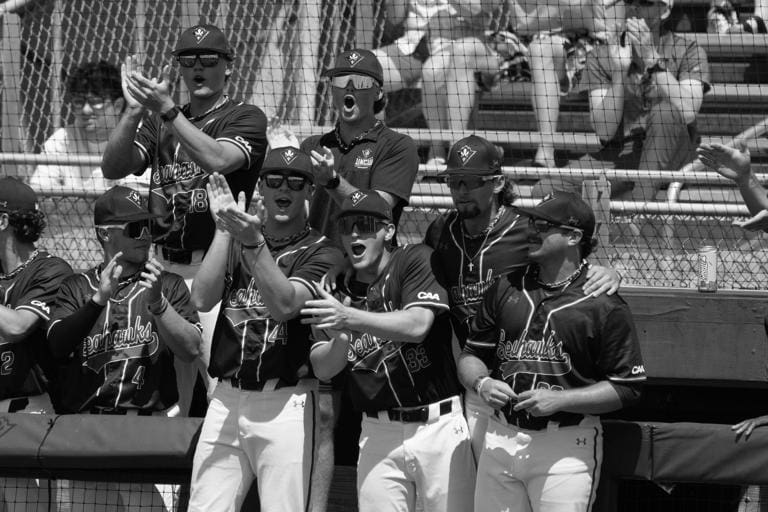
(322, 476)
(433, 94)
(547, 61)
(400, 71)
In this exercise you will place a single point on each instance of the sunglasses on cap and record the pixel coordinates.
(137, 229)
(471, 182)
(295, 182)
(359, 81)
(365, 224)
(543, 225)
(95, 102)
(207, 60)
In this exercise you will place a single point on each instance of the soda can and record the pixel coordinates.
(707, 257)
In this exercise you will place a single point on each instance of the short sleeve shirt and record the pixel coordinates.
(382, 160)
(123, 362)
(177, 183)
(682, 57)
(32, 289)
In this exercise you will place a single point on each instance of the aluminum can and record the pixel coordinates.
(707, 275)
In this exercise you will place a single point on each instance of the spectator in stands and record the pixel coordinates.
(646, 90)
(29, 280)
(183, 145)
(95, 98)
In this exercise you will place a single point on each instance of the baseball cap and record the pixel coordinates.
(288, 159)
(565, 209)
(474, 155)
(16, 195)
(365, 202)
(203, 38)
(359, 62)
(120, 204)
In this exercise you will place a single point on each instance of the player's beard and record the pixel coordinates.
(468, 211)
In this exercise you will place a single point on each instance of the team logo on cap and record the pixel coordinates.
(134, 197)
(354, 58)
(289, 156)
(200, 33)
(357, 196)
(466, 153)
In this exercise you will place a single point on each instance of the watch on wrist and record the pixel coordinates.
(169, 116)
(334, 182)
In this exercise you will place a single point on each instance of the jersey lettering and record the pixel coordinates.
(6, 363)
(427, 296)
(244, 142)
(138, 377)
(42, 305)
(637, 370)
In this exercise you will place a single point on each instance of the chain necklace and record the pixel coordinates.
(563, 282)
(219, 103)
(346, 147)
(13, 273)
(285, 240)
(485, 233)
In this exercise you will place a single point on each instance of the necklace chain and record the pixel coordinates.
(346, 147)
(221, 101)
(486, 232)
(20, 268)
(285, 240)
(563, 282)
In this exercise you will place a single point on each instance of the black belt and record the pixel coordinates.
(122, 411)
(414, 414)
(528, 422)
(257, 386)
(180, 256)
(18, 404)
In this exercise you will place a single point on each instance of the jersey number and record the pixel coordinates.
(6, 358)
(416, 359)
(194, 201)
(138, 377)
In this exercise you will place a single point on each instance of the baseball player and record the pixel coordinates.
(389, 331)
(182, 145)
(29, 279)
(260, 421)
(548, 359)
(481, 239)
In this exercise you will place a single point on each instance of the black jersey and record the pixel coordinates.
(122, 362)
(177, 183)
(531, 338)
(467, 267)
(383, 374)
(248, 343)
(32, 288)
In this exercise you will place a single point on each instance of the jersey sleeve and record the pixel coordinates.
(396, 172)
(247, 130)
(72, 294)
(420, 287)
(316, 264)
(40, 292)
(481, 340)
(177, 294)
(619, 357)
(146, 138)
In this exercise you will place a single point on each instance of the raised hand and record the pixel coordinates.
(758, 222)
(108, 281)
(150, 279)
(327, 312)
(279, 136)
(219, 195)
(243, 226)
(152, 93)
(131, 65)
(322, 165)
(729, 162)
(640, 38)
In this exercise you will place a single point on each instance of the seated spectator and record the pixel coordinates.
(723, 18)
(646, 90)
(95, 97)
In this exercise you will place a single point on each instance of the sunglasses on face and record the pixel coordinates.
(295, 182)
(359, 81)
(207, 60)
(95, 102)
(362, 224)
(137, 230)
(543, 225)
(471, 182)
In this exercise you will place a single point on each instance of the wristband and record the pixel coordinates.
(479, 383)
(158, 310)
(257, 245)
(169, 116)
(333, 183)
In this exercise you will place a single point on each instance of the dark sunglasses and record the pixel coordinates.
(365, 224)
(295, 182)
(96, 102)
(543, 225)
(208, 60)
(471, 182)
(137, 229)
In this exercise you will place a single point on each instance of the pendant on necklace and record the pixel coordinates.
(471, 266)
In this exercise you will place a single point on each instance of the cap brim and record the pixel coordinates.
(138, 216)
(349, 213)
(308, 175)
(199, 49)
(536, 214)
(330, 73)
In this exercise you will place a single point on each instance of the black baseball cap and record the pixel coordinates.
(365, 202)
(358, 62)
(474, 155)
(15, 195)
(288, 159)
(120, 204)
(564, 209)
(203, 38)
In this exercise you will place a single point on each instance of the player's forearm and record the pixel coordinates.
(410, 325)
(329, 359)
(207, 152)
(607, 109)
(121, 157)
(181, 336)
(208, 286)
(66, 333)
(283, 298)
(340, 193)
(470, 368)
(753, 192)
(598, 398)
(15, 325)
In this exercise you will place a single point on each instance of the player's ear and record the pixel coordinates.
(228, 70)
(380, 94)
(4, 221)
(575, 236)
(499, 183)
(102, 235)
(389, 233)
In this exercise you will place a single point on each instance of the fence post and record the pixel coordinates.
(14, 129)
(597, 193)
